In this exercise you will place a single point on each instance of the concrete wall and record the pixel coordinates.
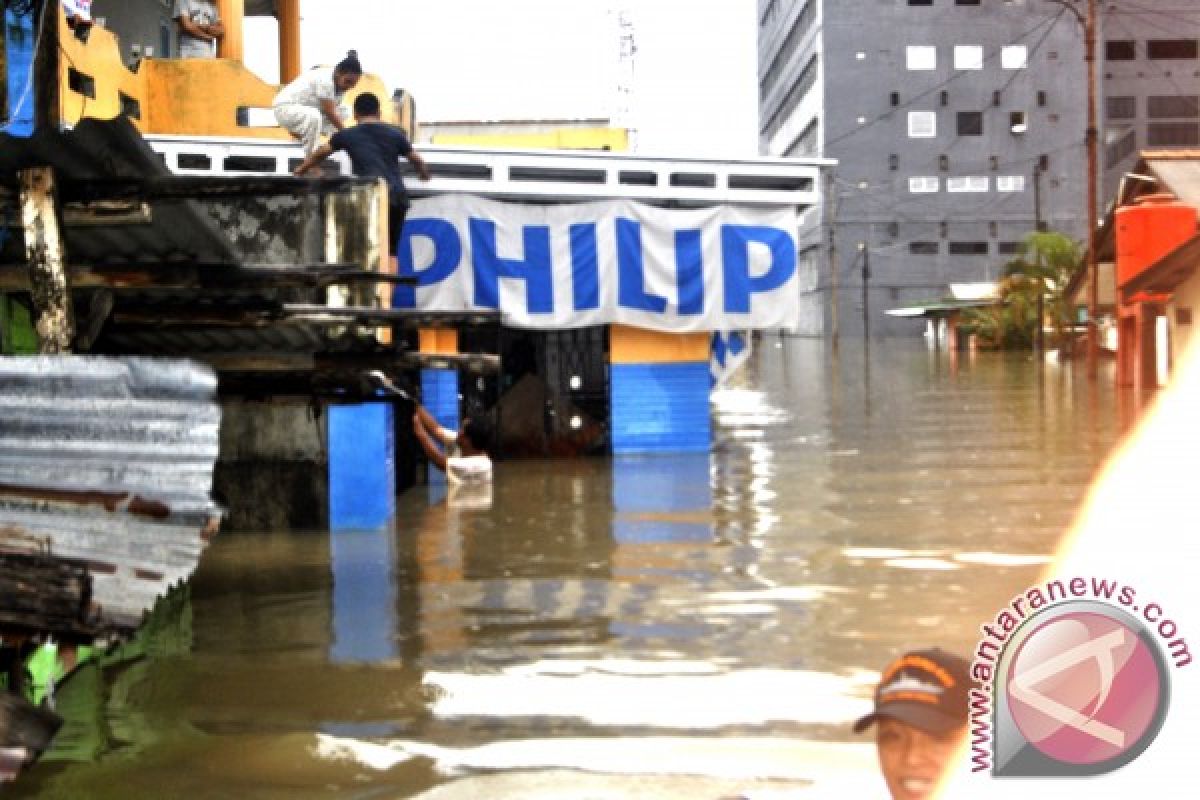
(272, 473)
(1131, 83)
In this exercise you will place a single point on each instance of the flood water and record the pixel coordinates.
(680, 626)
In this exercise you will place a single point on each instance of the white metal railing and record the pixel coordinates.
(536, 175)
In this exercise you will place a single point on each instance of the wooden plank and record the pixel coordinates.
(44, 252)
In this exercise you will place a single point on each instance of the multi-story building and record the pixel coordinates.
(1150, 53)
(957, 125)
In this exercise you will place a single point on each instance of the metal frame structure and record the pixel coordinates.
(535, 175)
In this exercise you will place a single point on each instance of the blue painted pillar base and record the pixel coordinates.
(362, 466)
(439, 394)
(662, 498)
(661, 408)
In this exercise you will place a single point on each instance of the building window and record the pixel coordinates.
(1172, 134)
(1168, 106)
(1010, 183)
(967, 183)
(920, 57)
(922, 124)
(1171, 49)
(924, 248)
(894, 98)
(1008, 248)
(970, 123)
(923, 184)
(944, 97)
(1014, 56)
(894, 161)
(806, 80)
(1120, 107)
(1119, 145)
(944, 162)
(893, 229)
(1017, 122)
(806, 143)
(1041, 97)
(920, 2)
(966, 2)
(968, 56)
(1119, 50)
(993, 163)
(968, 248)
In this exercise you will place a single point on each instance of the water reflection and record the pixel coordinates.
(629, 616)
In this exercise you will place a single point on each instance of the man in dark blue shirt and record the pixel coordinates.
(375, 148)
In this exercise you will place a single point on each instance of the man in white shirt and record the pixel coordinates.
(465, 459)
(199, 28)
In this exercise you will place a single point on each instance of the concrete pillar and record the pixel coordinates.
(439, 387)
(362, 466)
(1126, 345)
(289, 39)
(659, 385)
(273, 468)
(1146, 375)
(233, 16)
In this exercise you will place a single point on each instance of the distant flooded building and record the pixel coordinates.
(957, 126)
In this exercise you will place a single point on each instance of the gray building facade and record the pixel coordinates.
(957, 125)
(1150, 63)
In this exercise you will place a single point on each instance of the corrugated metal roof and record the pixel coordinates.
(1179, 175)
(108, 462)
(174, 230)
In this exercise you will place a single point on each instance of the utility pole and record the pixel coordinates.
(831, 212)
(1093, 334)
(1040, 227)
(1088, 21)
(866, 277)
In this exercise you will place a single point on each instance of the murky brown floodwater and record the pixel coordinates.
(696, 627)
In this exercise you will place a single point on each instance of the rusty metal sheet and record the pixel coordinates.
(108, 462)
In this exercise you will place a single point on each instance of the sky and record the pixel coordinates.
(693, 90)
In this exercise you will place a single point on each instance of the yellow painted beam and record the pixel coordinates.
(438, 341)
(639, 346)
(233, 16)
(181, 98)
(288, 12)
(92, 75)
(614, 139)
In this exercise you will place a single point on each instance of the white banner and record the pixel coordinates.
(569, 266)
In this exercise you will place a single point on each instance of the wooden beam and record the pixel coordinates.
(44, 252)
(216, 277)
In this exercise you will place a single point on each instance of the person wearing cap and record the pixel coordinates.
(920, 719)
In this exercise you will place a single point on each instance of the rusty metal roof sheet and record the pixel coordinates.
(168, 229)
(108, 462)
